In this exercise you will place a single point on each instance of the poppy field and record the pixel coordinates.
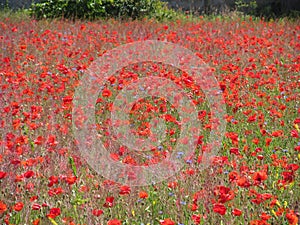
(252, 179)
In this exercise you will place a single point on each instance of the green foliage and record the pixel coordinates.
(246, 6)
(68, 9)
(94, 9)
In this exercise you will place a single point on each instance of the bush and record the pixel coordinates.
(247, 7)
(94, 9)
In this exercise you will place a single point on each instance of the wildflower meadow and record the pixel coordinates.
(224, 149)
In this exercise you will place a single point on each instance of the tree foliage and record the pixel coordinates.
(94, 9)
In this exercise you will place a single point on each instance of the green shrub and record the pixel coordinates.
(246, 6)
(94, 9)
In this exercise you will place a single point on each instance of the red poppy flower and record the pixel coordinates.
(2, 174)
(18, 206)
(97, 212)
(258, 222)
(233, 136)
(293, 167)
(236, 212)
(55, 191)
(251, 118)
(265, 216)
(28, 174)
(223, 193)
(193, 207)
(71, 180)
(33, 198)
(106, 93)
(52, 141)
(255, 141)
(234, 151)
(170, 118)
(52, 180)
(3, 207)
(295, 134)
(143, 194)
(36, 206)
(243, 182)
(288, 176)
(277, 133)
(124, 190)
(114, 222)
(54, 212)
(268, 141)
(167, 222)
(292, 217)
(172, 185)
(219, 208)
(266, 196)
(201, 114)
(36, 222)
(109, 202)
(233, 176)
(196, 219)
(260, 176)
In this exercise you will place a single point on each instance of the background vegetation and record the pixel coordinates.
(92, 9)
(158, 9)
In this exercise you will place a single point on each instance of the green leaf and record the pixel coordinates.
(73, 166)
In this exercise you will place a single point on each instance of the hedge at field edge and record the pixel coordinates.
(94, 9)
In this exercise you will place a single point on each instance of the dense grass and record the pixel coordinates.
(254, 179)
